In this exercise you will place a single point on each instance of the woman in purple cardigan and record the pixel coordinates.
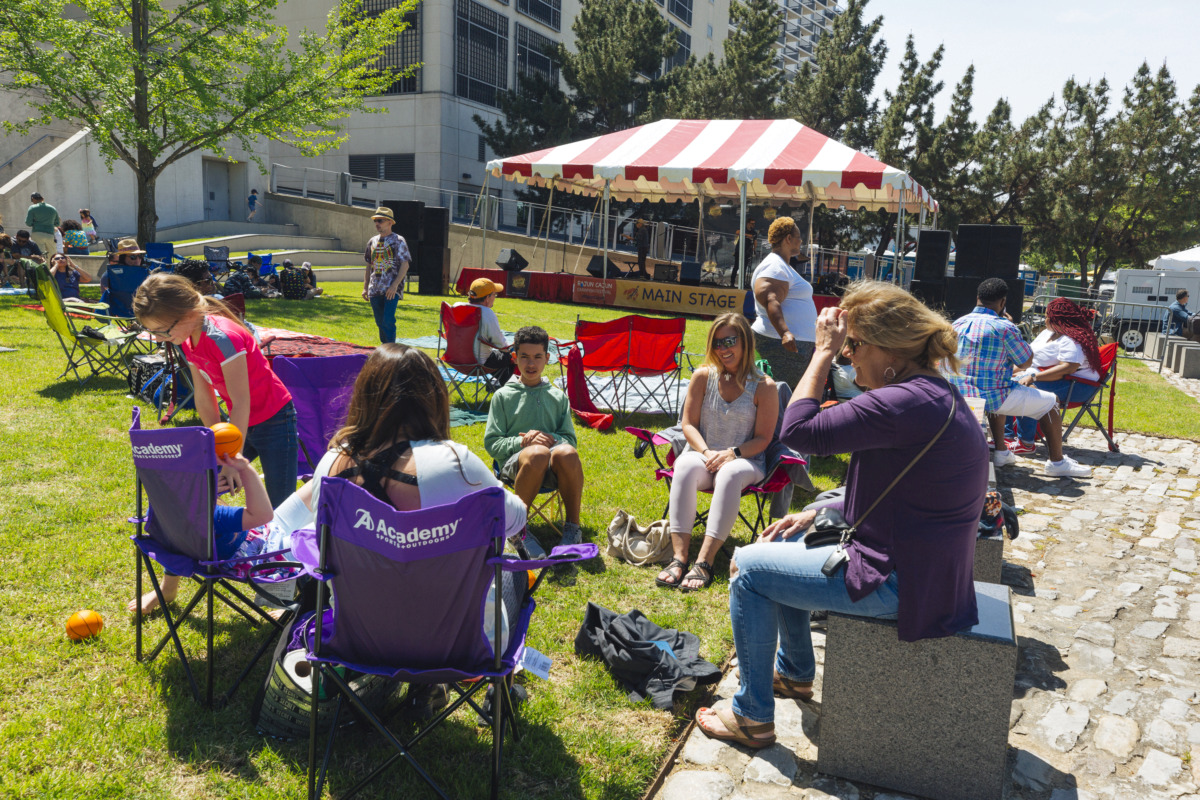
(912, 557)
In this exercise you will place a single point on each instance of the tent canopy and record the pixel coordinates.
(777, 160)
(1185, 259)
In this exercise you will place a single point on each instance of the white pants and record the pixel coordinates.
(691, 477)
(1026, 401)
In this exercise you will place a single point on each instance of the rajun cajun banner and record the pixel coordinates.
(594, 291)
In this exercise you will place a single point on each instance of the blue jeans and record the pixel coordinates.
(273, 441)
(1026, 427)
(777, 585)
(385, 316)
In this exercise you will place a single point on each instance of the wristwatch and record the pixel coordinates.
(737, 452)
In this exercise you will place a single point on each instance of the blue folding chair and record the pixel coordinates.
(120, 282)
(161, 254)
(177, 470)
(414, 598)
(267, 267)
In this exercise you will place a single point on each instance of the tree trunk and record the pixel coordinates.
(147, 217)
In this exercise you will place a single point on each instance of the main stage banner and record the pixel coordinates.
(703, 300)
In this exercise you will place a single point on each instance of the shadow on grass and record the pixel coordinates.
(69, 389)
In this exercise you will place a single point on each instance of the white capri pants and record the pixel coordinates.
(1027, 401)
(691, 477)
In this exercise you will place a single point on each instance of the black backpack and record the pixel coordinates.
(291, 284)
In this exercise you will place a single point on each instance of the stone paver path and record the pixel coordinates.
(1107, 608)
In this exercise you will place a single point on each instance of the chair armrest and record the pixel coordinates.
(563, 554)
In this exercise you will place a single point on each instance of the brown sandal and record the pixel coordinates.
(790, 689)
(676, 578)
(735, 731)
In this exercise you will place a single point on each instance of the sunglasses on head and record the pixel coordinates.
(727, 342)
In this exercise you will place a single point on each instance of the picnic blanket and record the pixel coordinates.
(291, 344)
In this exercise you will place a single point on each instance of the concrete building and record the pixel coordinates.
(804, 23)
(470, 51)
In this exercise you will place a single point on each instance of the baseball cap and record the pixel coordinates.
(482, 287)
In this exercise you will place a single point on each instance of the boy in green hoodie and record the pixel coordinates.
(531, 435)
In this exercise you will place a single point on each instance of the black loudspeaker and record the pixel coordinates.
(933, 256)
(410, 220)
(666, 273)
(689, 273)
(1004, 256)
(433, 264)
(1015, 302)
(931, 293)
(596, 268)
(511, 261)
(971, 253)
(436, 227)
(988, 251)
(960, 295)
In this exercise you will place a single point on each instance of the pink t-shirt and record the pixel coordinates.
(221, 341)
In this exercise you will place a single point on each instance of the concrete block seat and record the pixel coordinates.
(929, 718)
(989, 558)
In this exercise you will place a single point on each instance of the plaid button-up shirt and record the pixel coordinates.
(989, 346)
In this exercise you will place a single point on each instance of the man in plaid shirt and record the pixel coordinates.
(989, 346)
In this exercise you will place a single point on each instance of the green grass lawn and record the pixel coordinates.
(1146, 403)
(87, 721)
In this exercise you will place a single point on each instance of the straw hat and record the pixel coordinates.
(129, 247)
(383, 212)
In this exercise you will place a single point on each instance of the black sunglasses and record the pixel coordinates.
(852, 345)
(727, 342)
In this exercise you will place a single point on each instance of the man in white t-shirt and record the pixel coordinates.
(785, 326)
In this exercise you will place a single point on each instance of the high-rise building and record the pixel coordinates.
(804, 22)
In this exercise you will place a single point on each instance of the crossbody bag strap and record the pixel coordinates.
(911, 464)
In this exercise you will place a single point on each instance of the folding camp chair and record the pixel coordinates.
(177, 469)
(161, 254)
(321, 389)
(267, 268)
(1094, 403)
(411, 601)
(458, 329)
(547, 505)
(217, 258)
(627, 349)
(762, 492)
(104, 350)
(122, 282)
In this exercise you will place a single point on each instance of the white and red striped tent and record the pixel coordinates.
(672, 159)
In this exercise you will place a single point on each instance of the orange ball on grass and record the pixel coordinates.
(84, 624)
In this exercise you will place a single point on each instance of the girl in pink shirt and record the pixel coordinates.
(225, 362)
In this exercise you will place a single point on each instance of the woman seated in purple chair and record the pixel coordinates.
(729, 418)
(1066, 347)
(912, 555)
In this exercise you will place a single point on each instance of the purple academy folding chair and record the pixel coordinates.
(321, 389)
(177, 469)
(411, 601)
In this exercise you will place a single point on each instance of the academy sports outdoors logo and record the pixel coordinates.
(158, 451)
(417, 537)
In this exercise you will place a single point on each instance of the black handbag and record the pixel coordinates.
(830, 525)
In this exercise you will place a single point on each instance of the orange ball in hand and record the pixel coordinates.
(228, 439)
(83, 624)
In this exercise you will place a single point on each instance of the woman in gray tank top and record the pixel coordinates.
(729, 420)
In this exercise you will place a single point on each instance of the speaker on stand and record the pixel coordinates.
(436, 226)
(933, 256)
(410, 221)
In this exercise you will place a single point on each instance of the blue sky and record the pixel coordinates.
(1026, 50)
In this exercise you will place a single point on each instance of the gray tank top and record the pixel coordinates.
(724, 425)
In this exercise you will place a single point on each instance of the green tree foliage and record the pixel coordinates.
(156, 81)
(1010, 163)
(834, 97)
(743, 85)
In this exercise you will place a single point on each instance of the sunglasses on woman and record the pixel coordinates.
(852, 345)
(726, 343)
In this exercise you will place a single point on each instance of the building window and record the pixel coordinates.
(395, 167)
(681, 9)
(406, 50)
(547, 12)
(710, 31)
(533, 56)
(682, 52)
(482, 150)
(480, 53)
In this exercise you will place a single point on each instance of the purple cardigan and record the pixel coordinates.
(925, 528)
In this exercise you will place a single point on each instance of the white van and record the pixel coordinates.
(1147, 286)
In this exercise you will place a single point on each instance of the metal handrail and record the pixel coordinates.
(39, 140)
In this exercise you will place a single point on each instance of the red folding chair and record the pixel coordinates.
(457, 331)
(628, 348)
(761, 491)
(1093, 405)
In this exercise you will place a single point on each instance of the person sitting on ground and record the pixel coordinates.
(1177, 314)
(989, 346)
(238, 530)
(291, 282)
(912, 556)
(199, 273)
(25, 247)
(68, 277)
(14, 266)
(75, 241)
(87, 224)
(530, 433)
(729, 418)
(1067, 346)
(491, 348)
(240, 281)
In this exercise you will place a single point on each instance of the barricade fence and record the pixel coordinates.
(1138, 328)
